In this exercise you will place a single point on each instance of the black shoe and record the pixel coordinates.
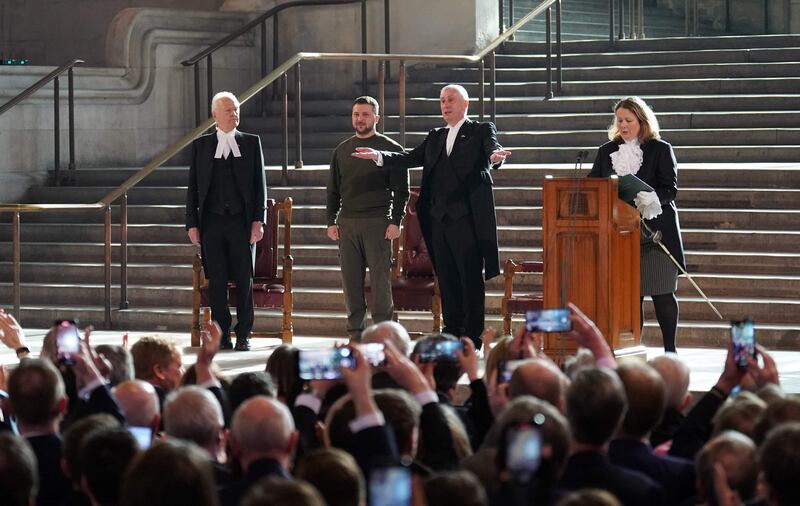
(226, 344)
(242, 345)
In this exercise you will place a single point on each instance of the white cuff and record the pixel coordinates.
(379, 161)
(374, 419)
(426, 397)
(310, 401)
(86, 392)
(648, 204)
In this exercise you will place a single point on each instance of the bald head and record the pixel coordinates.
(539, 378)
(675, 374)
(194, 414)
(390, 331)
(139, 402)
(263, 428)
(644, 389)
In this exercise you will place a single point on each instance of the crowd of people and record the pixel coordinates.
(108, 426)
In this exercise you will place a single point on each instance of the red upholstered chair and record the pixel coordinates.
(414, 286)
(519, 303)
(272, 288)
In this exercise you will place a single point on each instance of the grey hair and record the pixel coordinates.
(388, 331)
(262, 425)
(458, 88)
(194, 414)
(224, 94)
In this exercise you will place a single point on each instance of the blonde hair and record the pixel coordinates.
(648, 123)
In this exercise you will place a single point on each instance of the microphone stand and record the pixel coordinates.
(656, 238)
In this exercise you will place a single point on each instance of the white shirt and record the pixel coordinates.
(226, 143)
(452, 132)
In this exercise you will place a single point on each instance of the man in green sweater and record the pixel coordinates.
(365, 208)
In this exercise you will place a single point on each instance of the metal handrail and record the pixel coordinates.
(38, 85)
(262, 21)
(281, 72)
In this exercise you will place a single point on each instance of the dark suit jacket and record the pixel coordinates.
(54, 487)
(595, 470)
(250, 179)
(233, 493)
(675, 475)
(659, 170)
(470, 162)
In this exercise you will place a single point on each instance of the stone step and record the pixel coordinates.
(179, 274)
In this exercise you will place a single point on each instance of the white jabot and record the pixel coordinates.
(628, 160)
(226, 144)
(452, 132)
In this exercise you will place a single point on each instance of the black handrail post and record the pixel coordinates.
(107, 264)
(482, 90)
(611, 23)
(197, 118)
(123, 251)
(387, 35)
(284, 85)
(16, 254)
(401, 106)
(263, 94)
(56, 132)
(548, 94)
(559, 61)
(631, 19)
(493, 87)
(298, 135)
(686, 17)
(382, 95)
(621, 33)
(501, 16)
(641, 19)
(209, 82)
(275, 55)
(727, 16)
(766, 17)
(71, 123)
(511, 16)
(364, 90)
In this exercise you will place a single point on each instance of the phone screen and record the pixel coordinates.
(68, 341)
(373, 353)
(143, 436)
(324, 363)
(390, 486)
(443, 350)
(548, 320)
(743, 336)
(523, 450)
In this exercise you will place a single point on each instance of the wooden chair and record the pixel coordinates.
(414, 285)
(272, 288)
(519, 303)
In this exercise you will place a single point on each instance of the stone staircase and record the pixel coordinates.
(728, 104)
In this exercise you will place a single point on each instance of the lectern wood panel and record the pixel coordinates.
(591, 258)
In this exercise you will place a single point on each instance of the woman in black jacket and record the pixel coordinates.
(635, 147)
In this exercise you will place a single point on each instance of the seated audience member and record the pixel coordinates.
(590, 497)
(736, 454)
(675, 374)
(104, 457)
(335, 474)
(193, 414)
(19, 480)
(139, 403)
(169, 473)
(596, 405)
(540, 378)
(645, 392)
(247, 385)
(72, 444)
(274, 491)
(158, 362)
(282, 367)
(390, 331)
(262, 439)
(120, 361)
(779, 458)
(739, 413)
(776, 413)
(455, 487)
(488, 464)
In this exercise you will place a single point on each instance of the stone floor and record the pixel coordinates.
(705, 363)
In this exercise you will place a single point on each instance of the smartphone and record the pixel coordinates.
(390, 486)
(523, 450)
(68, 341)
(508, 370)
(373, 353)
(142, 435)
(548, 320)
(743, 337)
(325, 363)
(440, 350)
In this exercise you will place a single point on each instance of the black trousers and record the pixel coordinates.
(459, 266)
(228, 256)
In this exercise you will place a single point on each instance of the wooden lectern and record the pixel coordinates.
(591, 258)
